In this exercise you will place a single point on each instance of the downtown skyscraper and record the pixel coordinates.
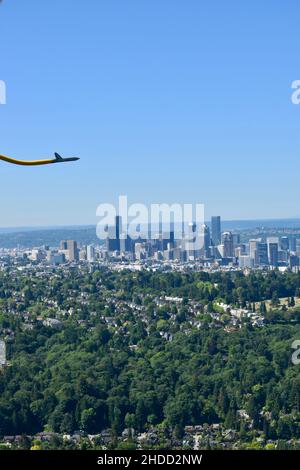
(216, 230)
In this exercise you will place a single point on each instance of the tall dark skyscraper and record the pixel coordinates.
(284, 243)
(168, 237)
(292, 243)
(228, 245)
(118, 226)
(206, 245)
(273, 253)
(262, 254)
(216, 230)
(113, 238)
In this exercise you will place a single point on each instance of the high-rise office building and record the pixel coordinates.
(191, 241)
(253, 247)
(140, 252)
(236, 239)
(113, 235)
(206, 241)
(293, 261)
(240, 250)
(227, 242)
(63, 245)
(262, 254)
(168, 237)
(273, 253)
(90, 253)
(283, 256)
(285, 243)
(73, 253)
(216, 230)
(292, 242)
(118, 226)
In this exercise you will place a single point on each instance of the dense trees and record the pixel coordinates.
(61, 385)
(91, 377)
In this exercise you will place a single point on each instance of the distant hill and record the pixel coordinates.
(52, 237)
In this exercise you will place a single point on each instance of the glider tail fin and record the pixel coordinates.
(58, 158)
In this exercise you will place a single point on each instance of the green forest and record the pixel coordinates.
(111, 364)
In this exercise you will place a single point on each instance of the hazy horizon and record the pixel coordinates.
(289, 222)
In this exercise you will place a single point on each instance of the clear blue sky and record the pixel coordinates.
(163, 100)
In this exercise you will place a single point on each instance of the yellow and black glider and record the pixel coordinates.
(57, 159)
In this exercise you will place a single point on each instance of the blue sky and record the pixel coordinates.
(164, 101)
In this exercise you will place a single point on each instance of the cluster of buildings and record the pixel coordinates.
(214, 247)
(202, 247)
(67, 252)
(272, 251)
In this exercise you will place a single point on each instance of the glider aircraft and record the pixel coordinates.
(57, 159)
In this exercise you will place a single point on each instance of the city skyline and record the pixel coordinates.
(196, 245)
